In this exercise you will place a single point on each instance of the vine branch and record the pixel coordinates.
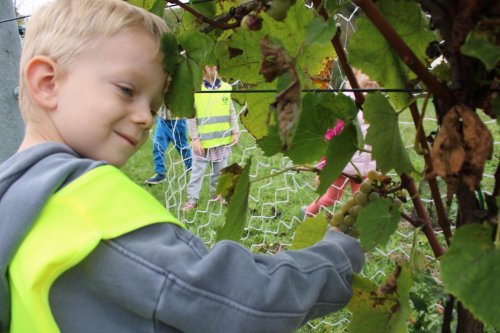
(220, 23)
(341, 55)
(443, 221)
(404, 52)
(409, 184)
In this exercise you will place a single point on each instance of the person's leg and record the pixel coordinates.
(216, 168)
(160, 144)
(196, 179)
(334, 193)
(181, 143)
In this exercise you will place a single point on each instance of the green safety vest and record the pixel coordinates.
(101, 204)
(212, 117)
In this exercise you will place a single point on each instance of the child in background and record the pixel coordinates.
(168, 130)
(85, 249)
(361, 161)
(213, 132)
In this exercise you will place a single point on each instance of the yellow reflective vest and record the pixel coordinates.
(101, 204)
(212, 117)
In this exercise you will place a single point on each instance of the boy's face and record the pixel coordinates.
(211, 72)
(106, 101)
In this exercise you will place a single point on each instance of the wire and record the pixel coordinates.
(313, 90)
(15, 18)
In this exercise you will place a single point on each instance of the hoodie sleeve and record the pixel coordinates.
(229, 289)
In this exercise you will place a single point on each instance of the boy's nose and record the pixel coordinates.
(143, 116)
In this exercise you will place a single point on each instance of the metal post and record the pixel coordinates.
(11, 124)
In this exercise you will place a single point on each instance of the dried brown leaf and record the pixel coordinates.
(461, 148)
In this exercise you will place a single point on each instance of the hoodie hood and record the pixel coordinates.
(27, 180)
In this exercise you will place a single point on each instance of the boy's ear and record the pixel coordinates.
(40, 75)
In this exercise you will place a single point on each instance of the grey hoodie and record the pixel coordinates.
(162, 278)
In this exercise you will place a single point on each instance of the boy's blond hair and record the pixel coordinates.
(64, 29)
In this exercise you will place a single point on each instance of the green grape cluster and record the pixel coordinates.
(370, 190)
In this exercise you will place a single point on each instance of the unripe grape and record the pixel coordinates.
(373, 175)
(396, 203)
(337, 219)
(347, 205)
(349, 220)
(344, 228)
(373, 196)
(354, 211)
(360, 198)
(251, 22)
(365, 187)
(354, 232)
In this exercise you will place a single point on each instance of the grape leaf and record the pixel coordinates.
(170, 49)
(340, 151)
(320, 31)
(224, 6)
(271, 143)
(309, 232)
(308, 59)
(153, 6)
(316, 118)
(237, 210)
(244, 67)
(343, 105)
(376, 223)
(207, 8)
(386, 67)
(470, 271)
(256, 118)
(158, 8)
(378, 309)
(384, 136)
(480, 45)
(198, 47)
(180, 98)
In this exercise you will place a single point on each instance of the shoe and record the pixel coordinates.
(156, 179)
(188, 206)
(219, 198)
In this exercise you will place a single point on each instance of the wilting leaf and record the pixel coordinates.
(228, 179)
(461, 148)
(277, 63)
(309, 232)
(237, 209)
(383, 309)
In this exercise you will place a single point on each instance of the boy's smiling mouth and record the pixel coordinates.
(128, 138)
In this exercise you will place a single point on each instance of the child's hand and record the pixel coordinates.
(235, 138)
(316, 181)
(197, 148)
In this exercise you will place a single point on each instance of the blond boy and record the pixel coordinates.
(84, 249)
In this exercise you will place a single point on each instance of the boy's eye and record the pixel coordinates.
(127, 91)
